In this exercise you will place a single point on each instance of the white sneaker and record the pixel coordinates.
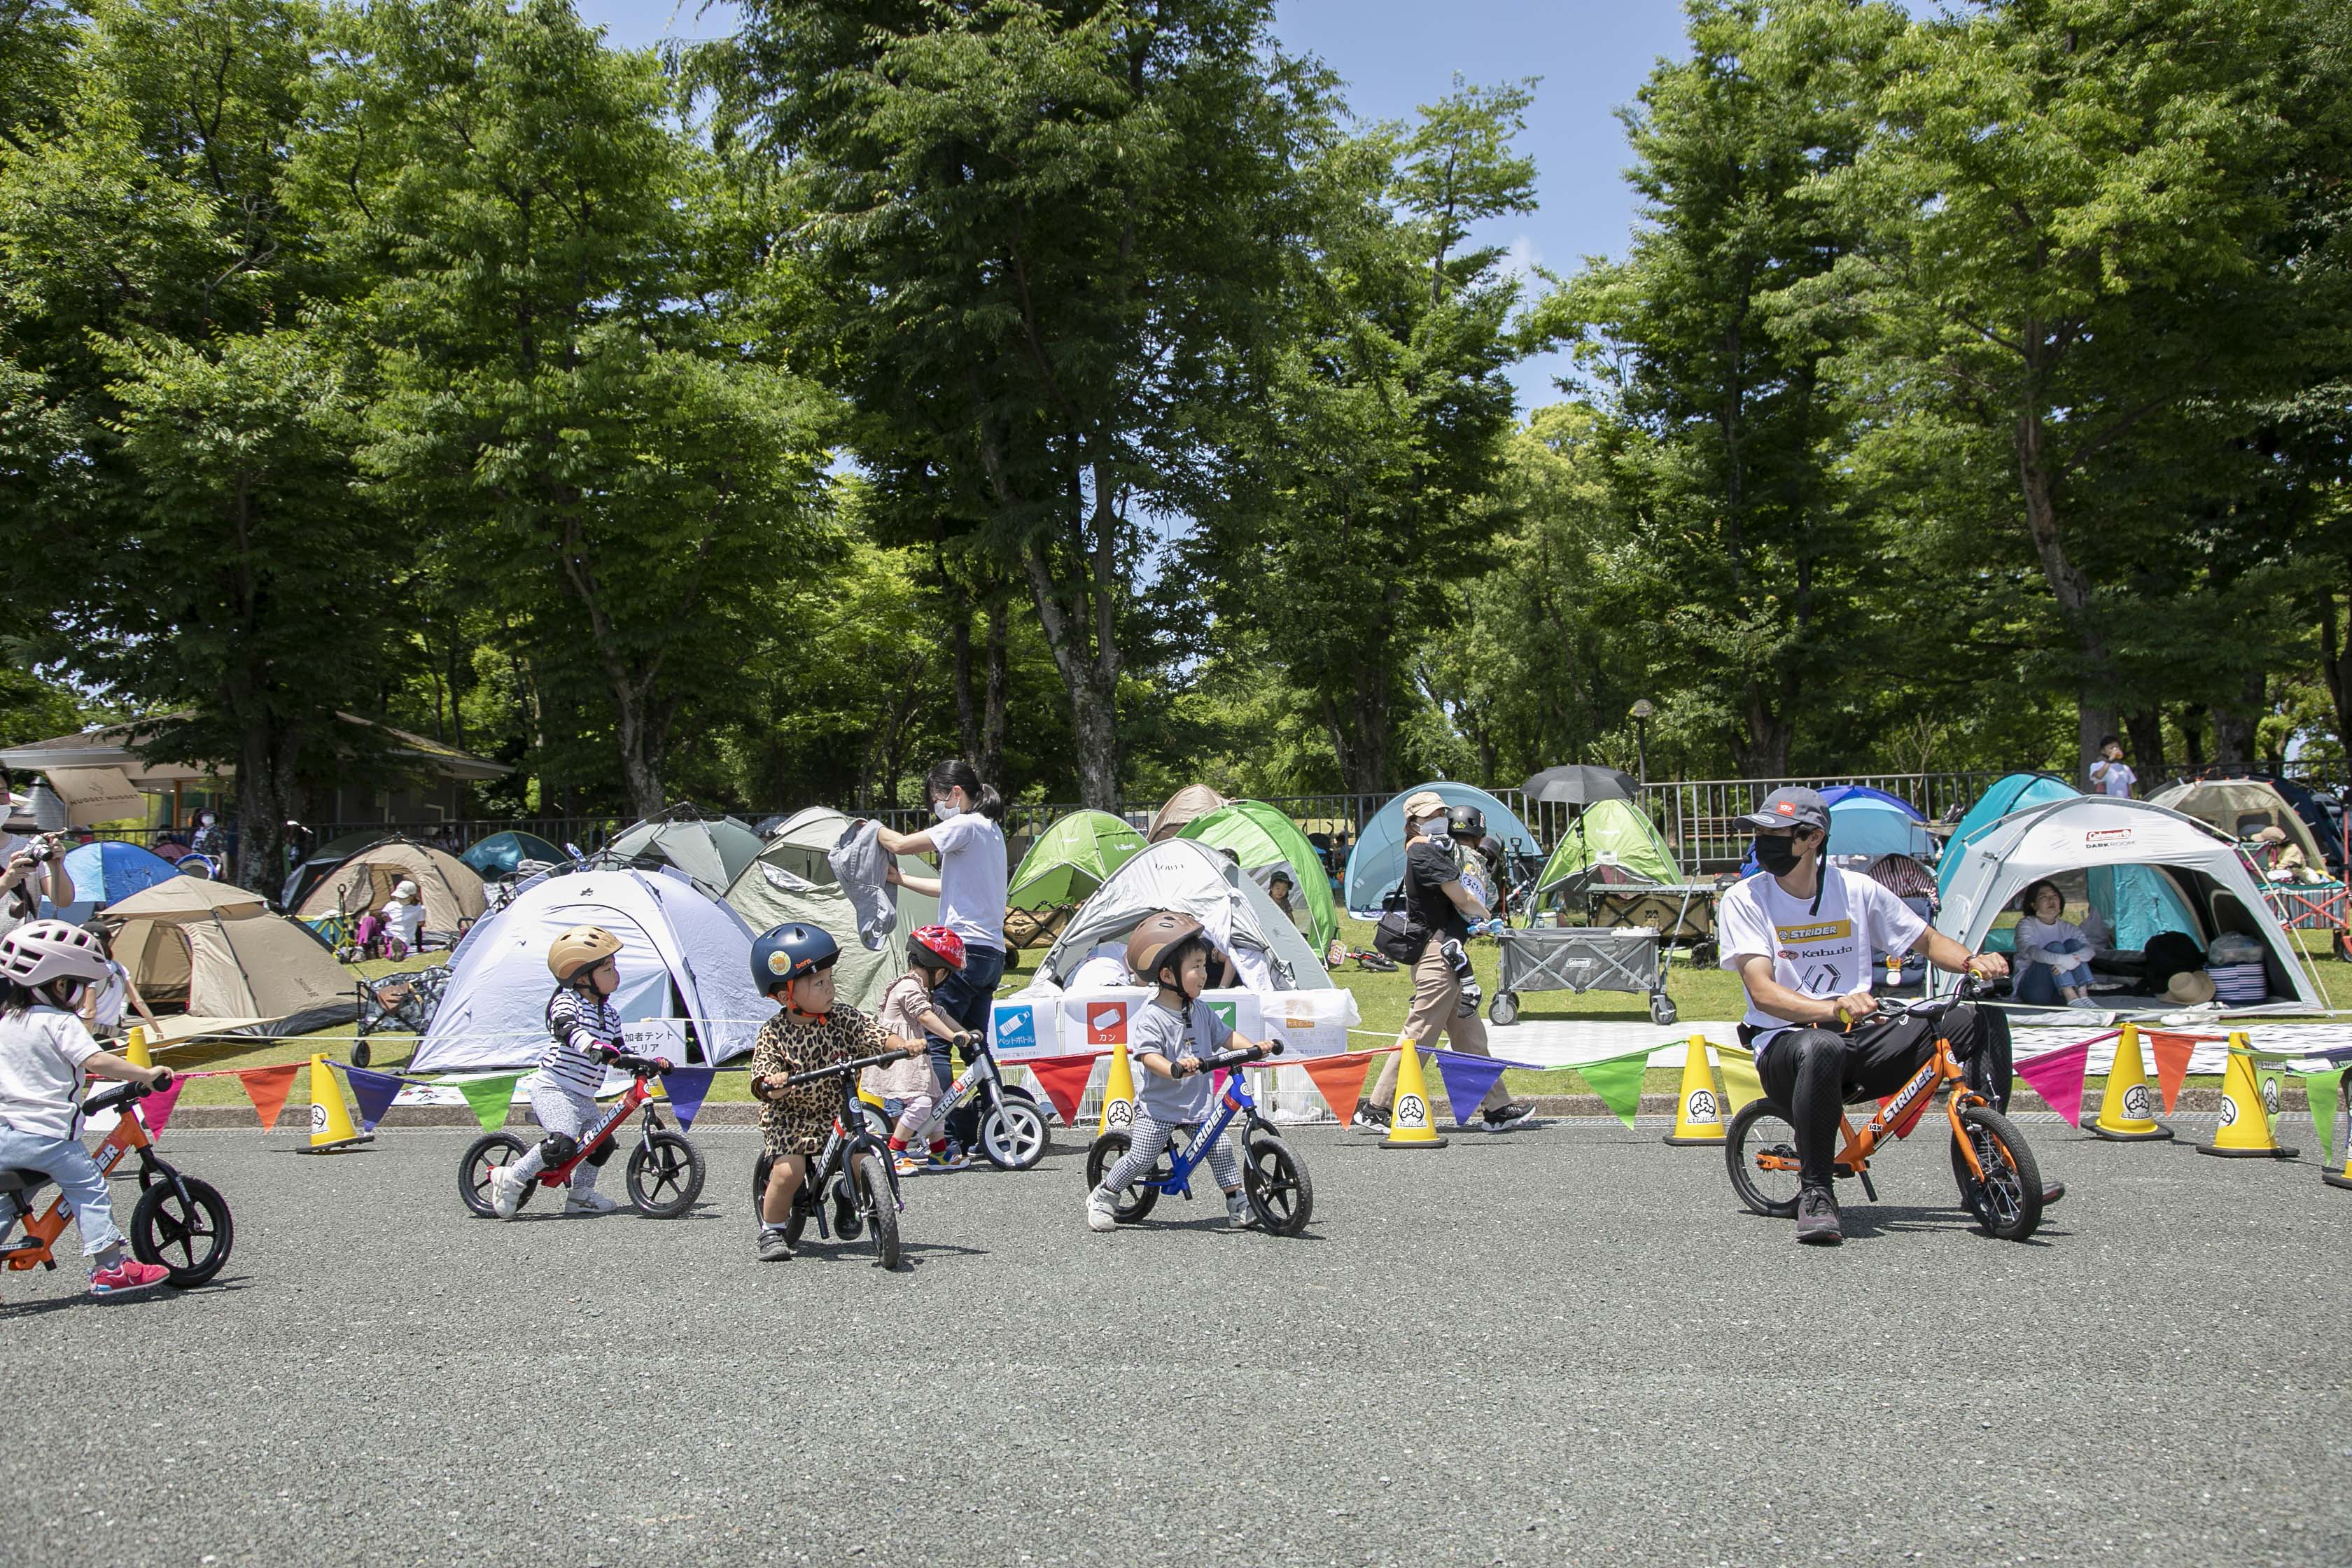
(2088, 1002)
(1101, 1212)
(1237, 1212)
(590, 1200)
(506, 1193)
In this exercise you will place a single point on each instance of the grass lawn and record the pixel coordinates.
(1707, 999)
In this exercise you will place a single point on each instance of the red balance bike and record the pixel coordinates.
(665, 1168)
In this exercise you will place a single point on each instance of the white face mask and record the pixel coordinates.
(1434, 827)
(944, 809)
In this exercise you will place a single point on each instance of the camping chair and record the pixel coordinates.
(402, 1003)
(1025, 928)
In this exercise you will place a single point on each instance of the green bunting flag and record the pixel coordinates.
(2319, 1091)
(490, 1098)
(1618, 1081)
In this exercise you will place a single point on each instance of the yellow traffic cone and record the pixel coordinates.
(1118, 1094)
(331, 1119)
(2244, 1132)
(135, 1051)
(2330, 1177)
(1698, 1114)
(2126, 1108)
(1412, 1125)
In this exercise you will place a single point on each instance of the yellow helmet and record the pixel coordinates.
(581, 948)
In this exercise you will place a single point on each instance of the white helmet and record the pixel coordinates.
(41, 950)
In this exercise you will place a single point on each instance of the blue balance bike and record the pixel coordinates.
(1281, 1196)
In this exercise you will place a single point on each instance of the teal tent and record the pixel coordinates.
(2011, 792)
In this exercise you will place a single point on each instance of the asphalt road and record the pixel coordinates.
(1565, 1345)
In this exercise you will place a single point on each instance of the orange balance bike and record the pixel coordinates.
(179, 1222)
(2000, 1182)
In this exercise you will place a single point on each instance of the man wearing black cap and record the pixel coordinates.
(1800, 935)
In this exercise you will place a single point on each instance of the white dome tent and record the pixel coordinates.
(1185, 874)
(683, 957)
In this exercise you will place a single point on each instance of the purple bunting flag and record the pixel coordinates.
(373, 1092)
(1467, 1080)
(687, 1087)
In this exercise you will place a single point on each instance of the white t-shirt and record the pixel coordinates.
(972, 874)
(114, 996)
(406, 920)
(41, 1055)
(2113, 778)
(1819, 954)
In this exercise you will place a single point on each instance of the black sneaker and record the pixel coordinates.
(1503, 1115)
(2052, 1191)
(1817, 1218)
(1369, 1116)
(775, 1247)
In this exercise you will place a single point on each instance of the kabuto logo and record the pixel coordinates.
(2138, 1105)
(1106, 1023)
(1702, 1105)
(1822, 980)
(1017, 1028)
(1412, 1110)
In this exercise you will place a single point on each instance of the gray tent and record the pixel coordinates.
(1186, 874)
(712, 853)
(790, 879)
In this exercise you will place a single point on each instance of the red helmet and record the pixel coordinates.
(939, 942)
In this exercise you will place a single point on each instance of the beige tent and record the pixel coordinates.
(216, 956)
(451, 890)
(792, 880)
(2242, 809)
(1191, 801)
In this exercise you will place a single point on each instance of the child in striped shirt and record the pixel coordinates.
(583, 1037)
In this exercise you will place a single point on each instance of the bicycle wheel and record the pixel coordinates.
(1378, 963)
(879, 1214)
(1762, 1131)
(190, 1238)
(482, 1156)
(1142, 1193)
(1013, 1136)
(2008, 1203)
(1280, 1193)
(665, 1177)
(877, 1120)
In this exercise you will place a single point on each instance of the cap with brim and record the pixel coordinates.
(1788, 808)
(1425, 802)
(2190, 987)
(2271, 835)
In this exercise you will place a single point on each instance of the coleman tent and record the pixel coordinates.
(683, 958)
(2239, 807)
(1608, 833)
(1264, 839)
(1181, 807)
(791, 880)
(1271, 953)
(501, 853)
(711, 853)
(1070, 859)
(451, 890)
(214, 955)
(1377, 862)
(2144, 869)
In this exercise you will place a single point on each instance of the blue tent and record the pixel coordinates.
(500, 853)
(1377, 863)
(2137, 902)
(111, 870)
(1865, 821)
(2011, 792)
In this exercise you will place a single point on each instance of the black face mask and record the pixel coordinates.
(1777, 853)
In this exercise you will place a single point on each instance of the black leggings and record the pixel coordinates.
(1814, 1072)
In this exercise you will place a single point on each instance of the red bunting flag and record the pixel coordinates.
(1340, 1079)
(2172, 1054)
(268, 1089)
(1064, 1079)
(2057, 1077)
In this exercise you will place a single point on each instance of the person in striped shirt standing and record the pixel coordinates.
(583, 1037)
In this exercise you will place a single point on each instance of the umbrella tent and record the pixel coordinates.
(2145, 868)
(216, 956)
(712, 852)
(1377, 863)
(1186, 874)
(1609, 833)
(1578, 784)
(1075, 855)
(1191, 801)
(683, 957)
(1263, 838)
(451, 892)
(791, 880)
(2239, 807)
(501, 853)
(109, 869)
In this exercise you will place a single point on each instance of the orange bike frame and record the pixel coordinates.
(1900, 1115)
(42, 1232)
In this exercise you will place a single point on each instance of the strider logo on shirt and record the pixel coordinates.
(1815, 949)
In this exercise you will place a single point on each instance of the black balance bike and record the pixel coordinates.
(855, 1170)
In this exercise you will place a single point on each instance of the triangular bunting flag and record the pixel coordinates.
(155, 1110)
(687, 1088)
(2172, 1054)
(2319, 1091)
(374, 1092)
(490, 1097)
(2057, 1077)
(1618, 1081)
(1064, 1079)
(1467, 1079)
(268, 1089)
(1740, 1083)
(1340, 1079)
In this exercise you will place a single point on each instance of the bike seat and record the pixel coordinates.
(22, 1181)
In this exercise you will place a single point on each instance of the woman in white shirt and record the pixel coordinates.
(404, 914)
(969, 839)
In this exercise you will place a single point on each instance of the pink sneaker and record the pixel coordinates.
(128, 1275)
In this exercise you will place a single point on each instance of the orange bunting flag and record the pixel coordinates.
(268, 1089)
(2172, 1054)
(1340, 1079)
(1064, 1079)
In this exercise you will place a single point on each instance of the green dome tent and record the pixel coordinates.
(1610, 832)
(1261, 837)
(1076, 855)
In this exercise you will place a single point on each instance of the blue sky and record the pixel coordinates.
(1398, 54)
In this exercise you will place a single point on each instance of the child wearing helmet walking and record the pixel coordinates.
(793, 964)
(584, 1036)
(909, 1011)
(1166, 1038)
(46, 1055)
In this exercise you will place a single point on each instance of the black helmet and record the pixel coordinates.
(1465, 822)
(785, 952)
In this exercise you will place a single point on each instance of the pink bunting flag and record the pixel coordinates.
(2057, 1077)
(155, 1110)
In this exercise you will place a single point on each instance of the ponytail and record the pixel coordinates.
(957, 774)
